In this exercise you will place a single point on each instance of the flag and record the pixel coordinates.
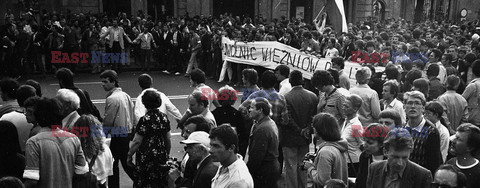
(336, 15)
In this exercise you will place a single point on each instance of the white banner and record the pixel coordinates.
(270, 54)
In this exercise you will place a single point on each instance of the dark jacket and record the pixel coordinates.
(228, 114)
(414, 176)
(365, 160)
(205, 173)
(263, 149)
(302, 106)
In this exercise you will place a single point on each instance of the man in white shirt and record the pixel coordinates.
(197, 105)
(282, 72)
(70, 103)
(433, 113)
(145, 81)
(389, 101)
(233, 172)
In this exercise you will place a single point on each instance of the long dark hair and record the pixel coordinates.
(92, 138)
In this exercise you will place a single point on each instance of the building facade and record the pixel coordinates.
(356, 10)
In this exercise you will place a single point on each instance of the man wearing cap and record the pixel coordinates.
(198, 149)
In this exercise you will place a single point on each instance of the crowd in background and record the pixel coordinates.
(416, 124)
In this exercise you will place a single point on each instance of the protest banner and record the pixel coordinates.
(270, 54)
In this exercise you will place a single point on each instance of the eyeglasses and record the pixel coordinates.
(438, 185)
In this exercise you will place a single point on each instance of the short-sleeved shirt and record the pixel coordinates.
(52, 158)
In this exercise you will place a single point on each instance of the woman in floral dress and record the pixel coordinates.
(150, 144)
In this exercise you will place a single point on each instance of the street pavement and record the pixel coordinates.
(176, 88)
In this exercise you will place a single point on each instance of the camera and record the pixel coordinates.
(309, 157)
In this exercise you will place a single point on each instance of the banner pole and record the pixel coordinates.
(319, 12)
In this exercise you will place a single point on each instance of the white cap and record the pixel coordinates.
(198, 137)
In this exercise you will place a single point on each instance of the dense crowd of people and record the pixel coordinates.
(415, 124)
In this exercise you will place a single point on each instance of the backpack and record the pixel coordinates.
(87, 180)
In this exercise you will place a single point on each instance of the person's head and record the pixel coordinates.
(448, 176)
(250, 76)
(145, 81)
(370, 46)
(390, 90)
(326, 127)
(195, 123)
(390, 118)
(47, 112)
(8, 89)
(433, 111)
(9, 138)
(335, 183)
(64, 77)
(11, 182)
(374, 136)
(433, 70)
(391, 72)
(322, 78)
(227, 96)
(338, 63)
(36, 85)
(467, 140)
(476, 68)
(336, 77)
(418, 65)
(29, 105)
(151, 99)
(259, 108)
(414, 104)
(397, 147)
(452, 83)
(282, 72)
(296, 78)
(91, 137)
(268, 79)
(197, 77)
(352, 104)
(109, 80)
(197, 102)
(24, 92)
(435, 56)
(363, 75)
(224, 144)
(447, 59)
(69, 101)
(197, 145)
(422, 85)
(115, 23)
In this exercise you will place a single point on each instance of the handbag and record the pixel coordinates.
(87, 180)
